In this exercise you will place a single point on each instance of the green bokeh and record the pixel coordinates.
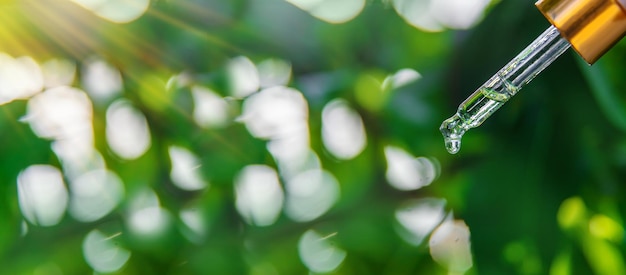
(530, 183)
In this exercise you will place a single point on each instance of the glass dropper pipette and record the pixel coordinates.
(591, 27)
(502, 86)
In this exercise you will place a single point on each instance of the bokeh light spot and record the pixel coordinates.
(48, 269)
(458, 14)
(369, 93)
(418, 14)
(400, 79)
(64, 114)
(280, 114)
(435, 15)
(146, 217)
(20, 78)
(127, 131)
(195, 225)
(405, 172)
(61, 113)
(185, 171)
(95, 194)
(318, 253)
(243, 76)
(42, 194)
(450, 246)
(603, 257)
(210, 109)
(332, 11)
(606, 228)
(101, 80)
(103, 252)
(524, 256)
(571, 213)
(275, 113)
(343, 132)
(291, 165)
(150, 221)
(77, 162)
(418, 218)
(58, 72)
(562, 264)
(310, 194)
(259, 197)
(274, 72)
(24, 228)
(118, 11)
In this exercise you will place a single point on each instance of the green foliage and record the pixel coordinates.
(539, 185)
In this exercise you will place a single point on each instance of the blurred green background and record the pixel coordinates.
(300, 137)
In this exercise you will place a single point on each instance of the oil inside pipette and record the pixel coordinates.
(475, 110)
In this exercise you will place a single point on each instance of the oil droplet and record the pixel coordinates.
(452, 130)
(453, 145)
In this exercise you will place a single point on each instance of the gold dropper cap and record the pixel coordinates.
(591, 26)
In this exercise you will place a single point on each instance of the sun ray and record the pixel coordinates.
(196, 9)
(61, 27)
(68, 37)
(9, 35)
(197, 32)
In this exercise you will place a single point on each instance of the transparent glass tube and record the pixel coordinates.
(503, 85)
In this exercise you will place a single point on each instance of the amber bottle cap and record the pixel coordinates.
(591, 26)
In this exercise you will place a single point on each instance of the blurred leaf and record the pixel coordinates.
(604, 92)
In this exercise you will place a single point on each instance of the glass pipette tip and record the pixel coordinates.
(502, 86)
